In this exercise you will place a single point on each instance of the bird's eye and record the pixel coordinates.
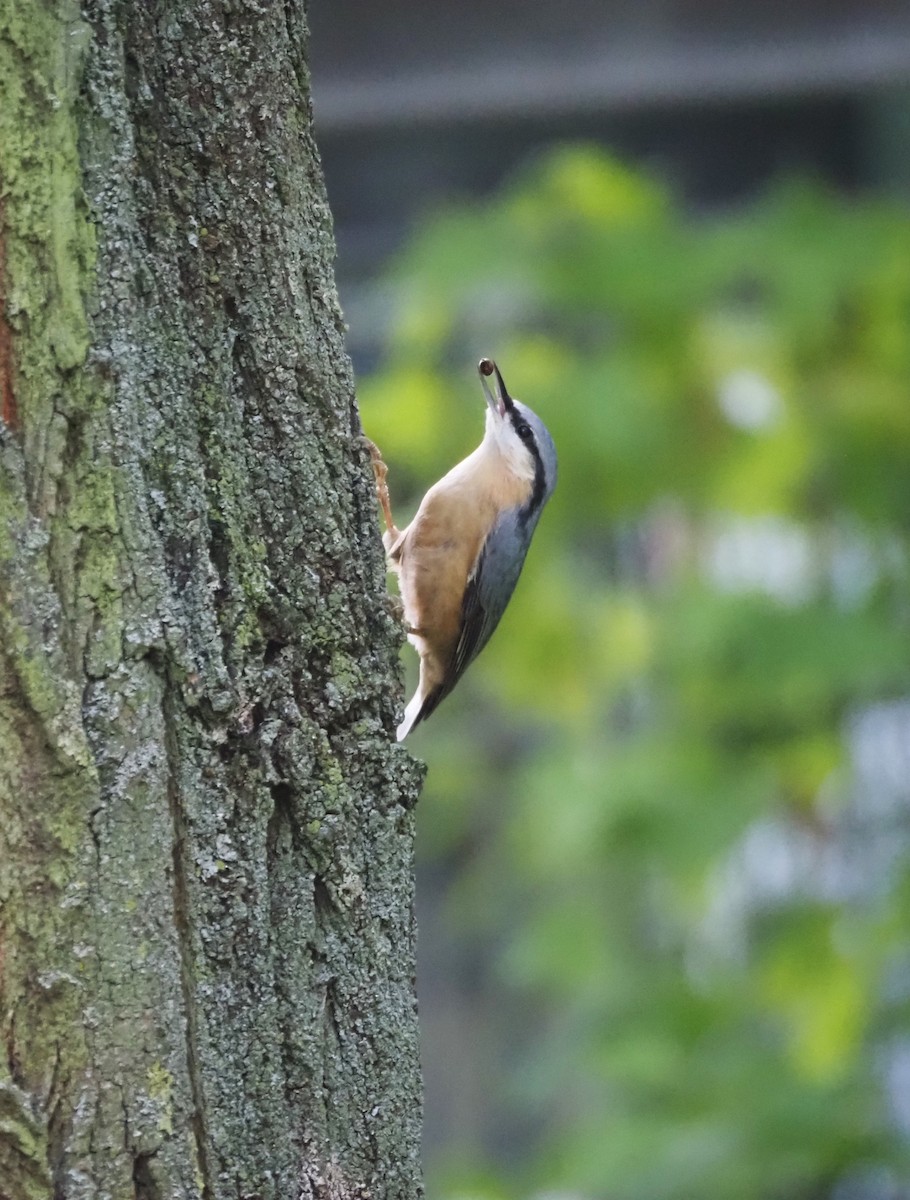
(523, 429)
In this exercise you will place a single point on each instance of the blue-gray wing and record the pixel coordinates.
(489, 590)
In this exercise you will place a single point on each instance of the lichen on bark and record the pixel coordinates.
(206, 918)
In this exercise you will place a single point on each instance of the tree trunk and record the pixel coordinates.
(206, 926)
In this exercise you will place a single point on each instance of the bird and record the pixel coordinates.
(459, 559)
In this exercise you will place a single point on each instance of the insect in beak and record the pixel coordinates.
(499, 401)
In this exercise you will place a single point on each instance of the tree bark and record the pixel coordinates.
(206, 922)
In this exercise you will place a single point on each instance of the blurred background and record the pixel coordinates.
(664, 847)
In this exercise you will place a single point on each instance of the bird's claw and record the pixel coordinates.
(380, 471)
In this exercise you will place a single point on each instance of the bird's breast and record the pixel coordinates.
(440, 548)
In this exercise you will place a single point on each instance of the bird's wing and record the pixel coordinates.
(485, 600)
(489, 590)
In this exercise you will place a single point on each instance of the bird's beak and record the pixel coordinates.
(498, 399)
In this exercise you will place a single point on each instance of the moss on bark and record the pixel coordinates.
(206, 932)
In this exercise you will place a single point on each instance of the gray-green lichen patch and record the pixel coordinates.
(23, 1146)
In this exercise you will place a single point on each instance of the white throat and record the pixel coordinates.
(502, 440)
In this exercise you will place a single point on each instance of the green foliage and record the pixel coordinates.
(717, 590)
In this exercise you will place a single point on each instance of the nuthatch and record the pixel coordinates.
(459, 559)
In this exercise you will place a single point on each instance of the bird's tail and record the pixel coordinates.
(420, 706)
(412, 714)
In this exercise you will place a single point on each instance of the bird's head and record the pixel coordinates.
(519, 436)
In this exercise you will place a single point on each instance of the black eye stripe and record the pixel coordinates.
(524, 431)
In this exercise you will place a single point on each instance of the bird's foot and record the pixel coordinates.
(380, 471)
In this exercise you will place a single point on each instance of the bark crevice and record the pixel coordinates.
(187, 954)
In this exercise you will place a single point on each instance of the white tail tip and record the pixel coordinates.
(411, 714)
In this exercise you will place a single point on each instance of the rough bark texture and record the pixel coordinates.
(206, 930)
